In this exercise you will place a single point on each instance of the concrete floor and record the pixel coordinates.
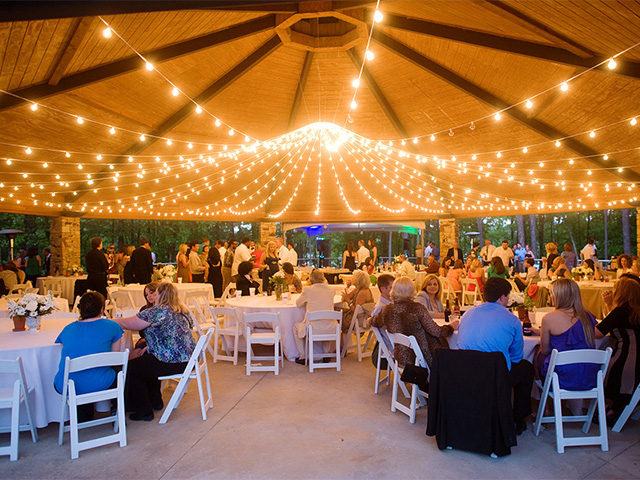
(299, 425)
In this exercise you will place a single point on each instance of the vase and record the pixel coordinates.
(33, 323)
(523, 314)
(18, 324)
(278, 290)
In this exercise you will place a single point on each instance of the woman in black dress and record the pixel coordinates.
(268, 266)
(215, 271)
(349, 257)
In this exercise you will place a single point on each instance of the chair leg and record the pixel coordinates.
(276, 355)
(216, 346)
(604, 440)
(249, 351)
(628, 410)
(235, 348)
(414, 399)
(32, 425)
(541, 407)
(15, 423)
(557, 412)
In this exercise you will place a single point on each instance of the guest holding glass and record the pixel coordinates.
(268, 266)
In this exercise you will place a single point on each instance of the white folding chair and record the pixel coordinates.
(360, 315)
(72, 399)
(552, 389)
(53, 285)
(32, 290)
(200, 321)
(20, 288)
(196, 366)
(258, 336)
(12, 397)
(384, 352)
(76, 304)
(470, 296)
(121, 301)
(418, 397)
(447, 290)
(222, 301)
(323, 321)
(227, 325)
(628, 411)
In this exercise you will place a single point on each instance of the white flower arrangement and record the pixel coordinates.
(279, 280)
(581, 271)
(32, 305)
(75, 270)
(516, 299)
(166, 273)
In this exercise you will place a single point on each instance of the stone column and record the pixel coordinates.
(65, 243)
(267, 233)
(449, 233)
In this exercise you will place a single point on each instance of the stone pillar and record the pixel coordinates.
(449, 233)
(65, 243)
(267, 233)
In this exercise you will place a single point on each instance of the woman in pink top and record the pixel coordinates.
(455, 275)
(476, 272)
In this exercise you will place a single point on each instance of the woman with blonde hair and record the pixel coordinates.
(170, 343)
(558, 269)
(552, 253)
(360, 295)
(476, 272)
(430, 295)
(623, 324)
(568, 327)
(182, 259)
(408, 317)
(268, 266)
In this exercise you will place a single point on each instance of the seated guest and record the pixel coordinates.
(385, 282)
(91, 333)
(568, 327)
(170, 344)
(558, 269)
(368, 266)
(444, 267)
(623, 324)
(476, 272)
(594, 267)
(429, 296)
(533, 276)
(432, 265)
(490, 327)
(406, 268)
(411, 318)
(293, 281)
(455, 275)
(316, 297)
(497, 269)
(624, 265)
(244, 281)
(360, 295)
(9, 277)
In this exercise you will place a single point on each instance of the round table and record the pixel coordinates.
(62, 305)
(591, 293)
(137, 291)
(40, 358)
(68, 284)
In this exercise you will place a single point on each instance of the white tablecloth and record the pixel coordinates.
(40, 358)
(137, 291)
(63, 306)
(68, 284)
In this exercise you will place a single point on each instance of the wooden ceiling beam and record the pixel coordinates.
(510, 45)
(302, 81)
(206, 95)
(130, 64)
(69, 51)
(544, 129)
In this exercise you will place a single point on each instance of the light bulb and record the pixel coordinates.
(606, 157)
(231, 132)
(633, 121)
(369, 55)
(106, 33)
(149, 66)
(34, 107)
(142, 138)
(433, 138)
(558, 143)
(525, 150)
(218, 123)
(67, 154)
(497, 116)
(592, 134)
(356, 83)
(99, 157)
(45, 164)
(612, 64)
(246, 138)
(354, 105)
(175, 91)
(564, 87)
(198, 109)
(377, 16)
(28, 150)
(472, 126)
(571, 161)
(190, 145)
(473, 157)
(451, 132)
(169, 142)
(112, 131)
(415, 140)
(80, 120)
(529, 104)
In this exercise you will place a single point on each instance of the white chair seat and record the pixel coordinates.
(325, 321)
(253, 337)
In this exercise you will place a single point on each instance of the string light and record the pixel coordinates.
(564, 86)
(148, 66)
(106, 33)
(34, 107)
(377, 16)
(612, 64)
(175, 92)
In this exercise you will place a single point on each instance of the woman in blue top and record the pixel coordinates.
(170, 343)
(92, 333)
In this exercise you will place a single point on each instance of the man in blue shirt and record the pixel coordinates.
(490, 327)
(519, 254)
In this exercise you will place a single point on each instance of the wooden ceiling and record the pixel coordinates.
(441, 68)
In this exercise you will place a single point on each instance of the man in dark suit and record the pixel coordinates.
(455, 252)
(142, 263)
(97, 266)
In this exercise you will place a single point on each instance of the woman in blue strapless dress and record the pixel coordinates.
(568, 327)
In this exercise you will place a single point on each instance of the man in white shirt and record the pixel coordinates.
(316, 297)
(486, 252)
(427, 250)
(242, 254)
(292, 255)
(220, 245)
(504, 252)
(196, 265)
(281, 250)
(589, 251)
(362, 253)
(406, 269)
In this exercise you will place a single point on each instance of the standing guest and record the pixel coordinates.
(257, 253)
(142, 262)
(46, 255)
(122, 258)
(227, 263)
(21, 260)
(411, 318)
(406, 269)
(518, 257)
(490, 327)
(204, 256)
(435, 251)
(476, 272)
(528, 253)
(317, 297)
(292, 256)
(282, 251)
(293, 282)
(430, 296)
(455, 252)
(589, 251)
(215, 271)
(33, 265)
(432, 265)
(552, 253)
(196, 266)
(419, 254)
(129, 277)
(444, 267)
(221, 246)
(570, 257)
(97, 266)
(623, 324)
(182, 259)
(504, 253)
(362, 253)
(91, 333)
(170, 343)
(497, 269)
(474, 252)
(374, 252)
(486, 253)
(244, 281)
(568, 327)
(349, 257)
(427, 250)
(268, 266)
(624, 265)
(242, 254)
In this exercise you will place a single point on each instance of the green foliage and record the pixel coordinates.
(35, 228)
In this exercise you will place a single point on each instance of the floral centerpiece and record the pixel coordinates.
(29, 309)
(279, 282)
(578, 273)
(165, 273)
(523, 303)
(75, 270)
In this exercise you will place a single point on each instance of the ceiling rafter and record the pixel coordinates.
(302, 82)
(178, 117)
(510, 45)
(130, 64)
(69, 51)
(493, 101)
